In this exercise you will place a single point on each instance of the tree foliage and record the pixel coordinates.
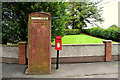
(81, 13)
(15, 18)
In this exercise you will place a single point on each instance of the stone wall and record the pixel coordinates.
(68, 50)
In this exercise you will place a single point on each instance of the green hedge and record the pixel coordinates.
(110, 33)
(72, 31)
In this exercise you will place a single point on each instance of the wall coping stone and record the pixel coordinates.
(10, 45)
(115, 43)
(107, 40)
(53, 45)
(22, 42)
(97, 44)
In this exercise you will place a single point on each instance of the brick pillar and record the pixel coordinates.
(108, 48)
(22, 53)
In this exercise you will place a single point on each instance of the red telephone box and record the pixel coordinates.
(58, 42)
(39, 43)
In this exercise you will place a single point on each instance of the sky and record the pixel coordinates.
(109, 14)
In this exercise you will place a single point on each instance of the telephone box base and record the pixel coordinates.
(36, 72)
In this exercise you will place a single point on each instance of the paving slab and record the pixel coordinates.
(74, 70)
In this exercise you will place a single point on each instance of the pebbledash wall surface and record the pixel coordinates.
(69, 53)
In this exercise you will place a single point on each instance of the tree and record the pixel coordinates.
(15, 18)
(81, 13)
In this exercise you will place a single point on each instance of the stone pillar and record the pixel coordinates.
(108, 49)
(22, 52)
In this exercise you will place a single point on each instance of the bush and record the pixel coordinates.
(114, 26)
(110, 33)
(72, 31)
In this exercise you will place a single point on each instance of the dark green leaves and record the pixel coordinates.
(15, 18)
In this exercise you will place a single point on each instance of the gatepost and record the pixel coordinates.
(39, 43)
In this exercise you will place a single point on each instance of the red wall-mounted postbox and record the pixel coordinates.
(58, 41)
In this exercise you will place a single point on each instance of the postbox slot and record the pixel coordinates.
(58, 38)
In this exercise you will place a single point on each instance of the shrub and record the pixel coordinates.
(110, 33)
(72, 31)
(113, 26)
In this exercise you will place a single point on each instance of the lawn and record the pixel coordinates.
(80, 39)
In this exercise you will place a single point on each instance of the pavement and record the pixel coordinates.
(73, 70)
